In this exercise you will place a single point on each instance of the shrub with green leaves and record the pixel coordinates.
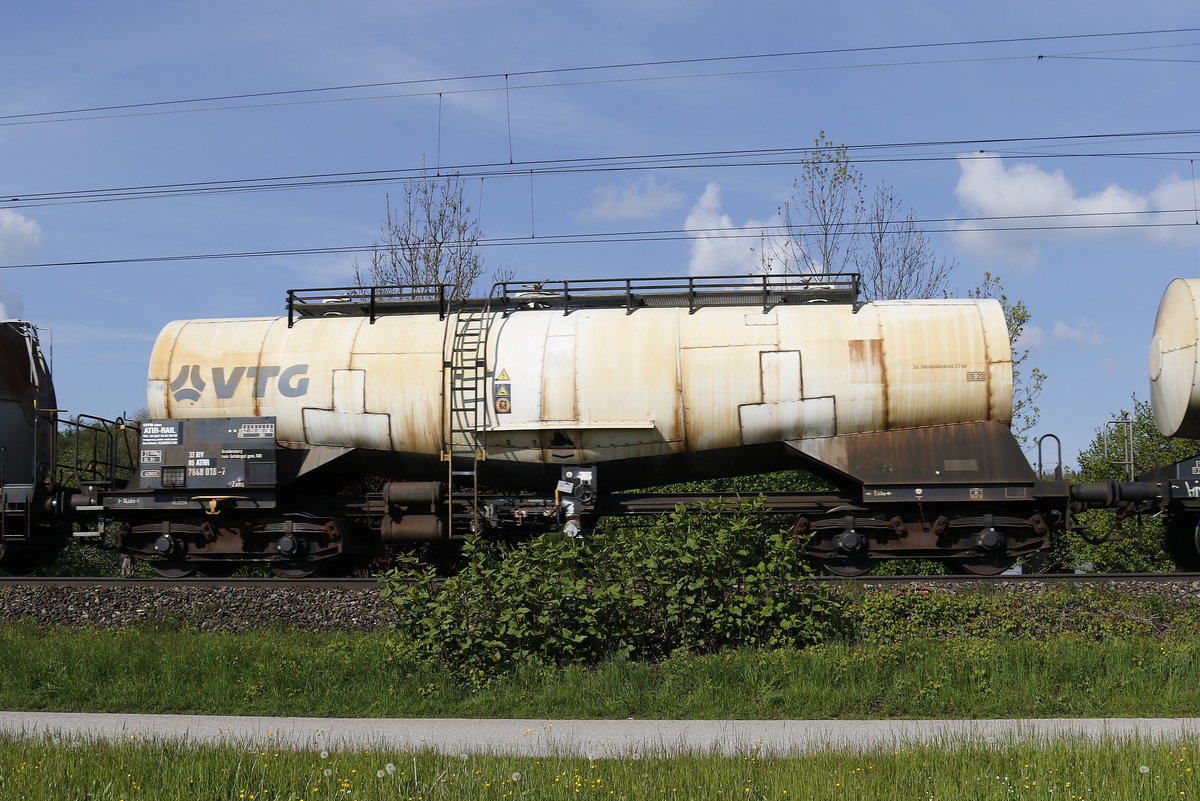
(694, 582)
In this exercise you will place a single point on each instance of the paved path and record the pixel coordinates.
(594, 738)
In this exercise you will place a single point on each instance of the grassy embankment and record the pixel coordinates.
(1072, 653)
(1074, 770)
(368, 675)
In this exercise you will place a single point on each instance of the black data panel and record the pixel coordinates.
(208, 453)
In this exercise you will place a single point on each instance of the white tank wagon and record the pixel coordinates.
(370, 416)
(595, 385)
(1174, 366)
(1175, 360)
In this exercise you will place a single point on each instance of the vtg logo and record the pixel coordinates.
(190, 384)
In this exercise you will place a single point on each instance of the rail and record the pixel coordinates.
(690, 292)
(507, 297)
(372, 302)
(368, 584)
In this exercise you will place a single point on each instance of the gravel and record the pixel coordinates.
(1181, 589)
(313, 609)
(204, 608)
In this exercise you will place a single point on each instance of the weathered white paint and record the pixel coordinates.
(1174, 377)
(607, 384)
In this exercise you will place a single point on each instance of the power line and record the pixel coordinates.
(1126, 58)
(758, 157)
(863, 228)
(172, 106)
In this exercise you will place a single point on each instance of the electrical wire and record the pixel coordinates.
(63, 115)
(862, 228)
(759, 157)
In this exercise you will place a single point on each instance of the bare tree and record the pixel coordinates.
(432, 238)
(896, 260)
(820, 215)
(830, 226)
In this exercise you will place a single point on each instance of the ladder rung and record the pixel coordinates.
(462, 472)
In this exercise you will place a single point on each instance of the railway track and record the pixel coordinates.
(167, 583)
(370, 583)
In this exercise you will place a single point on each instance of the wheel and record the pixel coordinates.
(1181, 541)
(992, 565)
(847, 567)
(295, 570)
(173, 569)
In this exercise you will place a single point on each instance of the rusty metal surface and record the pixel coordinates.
(963, 454)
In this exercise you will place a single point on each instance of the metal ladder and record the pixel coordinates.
(464, 414)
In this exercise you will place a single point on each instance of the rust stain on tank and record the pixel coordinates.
(866, 361)
(256, 401)
(989, 384)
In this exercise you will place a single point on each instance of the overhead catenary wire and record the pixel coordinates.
(757, 157)
(177, 106)
(861, 228)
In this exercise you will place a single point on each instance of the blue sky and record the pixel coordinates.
(1093, 292)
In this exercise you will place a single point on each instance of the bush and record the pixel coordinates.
(692, 582)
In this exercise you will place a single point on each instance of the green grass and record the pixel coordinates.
(42, 769)
(285, 672)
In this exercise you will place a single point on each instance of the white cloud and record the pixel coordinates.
(988, 187)
(716, 247)
(1084, 332)
(645, 199)
(19, 237)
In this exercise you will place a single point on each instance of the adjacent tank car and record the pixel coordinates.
(27, 439)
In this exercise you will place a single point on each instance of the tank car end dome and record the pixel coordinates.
(1174, 348)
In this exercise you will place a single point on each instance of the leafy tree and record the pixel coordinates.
(1142, 549)
(432, 238)
(834, 224)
